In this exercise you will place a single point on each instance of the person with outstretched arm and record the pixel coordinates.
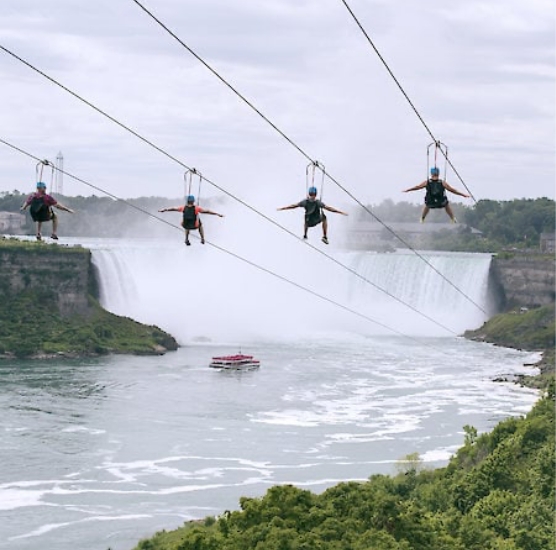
(314, 213)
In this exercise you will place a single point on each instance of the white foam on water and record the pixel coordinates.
(54, 526)
(11, 499)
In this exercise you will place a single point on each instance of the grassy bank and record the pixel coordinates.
(532, 330)
(30, 326)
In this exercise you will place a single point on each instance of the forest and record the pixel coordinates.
(503, 224)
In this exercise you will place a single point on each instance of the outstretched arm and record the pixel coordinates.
(454, 191)
(60, 206)
(335, 210)
(416, 187)
(290, 207)
(170, 209)
(205, 211)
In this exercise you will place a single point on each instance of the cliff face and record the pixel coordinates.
(65, 273)
(524, 280)
(49, 307)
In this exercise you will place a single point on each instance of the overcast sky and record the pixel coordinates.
(480, 72)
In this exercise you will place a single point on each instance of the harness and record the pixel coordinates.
(39, 211)
(310, 176)
(190, 216)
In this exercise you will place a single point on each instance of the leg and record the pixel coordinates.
(305, 227)
(324, 230)
(187, 237)
(39, 227)
(202, 233)
(54, 226)
(450, 213)
(324, 227)
(426, 210)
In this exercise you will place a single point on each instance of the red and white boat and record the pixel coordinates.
(238, 361)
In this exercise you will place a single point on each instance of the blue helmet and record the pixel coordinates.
(435, 171)
(312, 191)
(191, 198)
(41, 185)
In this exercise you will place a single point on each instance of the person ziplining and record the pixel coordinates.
(40, 204)
(435, 196)
(191, 220)
(314, 207)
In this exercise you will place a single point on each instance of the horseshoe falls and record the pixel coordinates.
(200, 293)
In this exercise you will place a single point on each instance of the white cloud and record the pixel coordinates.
(480, 73)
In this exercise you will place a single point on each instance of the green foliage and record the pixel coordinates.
(31, 325)
(534, 329)
(503, 224)
(513, 223)
(497, 493)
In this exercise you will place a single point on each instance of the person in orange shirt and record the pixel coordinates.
(191, 220)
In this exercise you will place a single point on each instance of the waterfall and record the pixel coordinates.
(199, 293)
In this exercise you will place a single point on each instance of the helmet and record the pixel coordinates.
(190, 198)
(435, 171)
(312, 191)
(41, 185)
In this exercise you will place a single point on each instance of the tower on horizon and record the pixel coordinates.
(59, 178)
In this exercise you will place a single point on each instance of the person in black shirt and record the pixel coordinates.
(435, 196)
(314, 213)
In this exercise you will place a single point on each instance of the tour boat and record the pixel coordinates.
(238, 361)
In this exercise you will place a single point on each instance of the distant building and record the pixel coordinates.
(11, 222)
(547, 243)
(372, 235)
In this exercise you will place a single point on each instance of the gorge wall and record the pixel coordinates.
(523, 280)
(66, 273)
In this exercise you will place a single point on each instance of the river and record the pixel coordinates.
(99, 453)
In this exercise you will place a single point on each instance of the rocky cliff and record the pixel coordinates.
(66, 273)
(49, 307)
(523, 280)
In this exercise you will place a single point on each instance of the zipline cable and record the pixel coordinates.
(404, 93)
(264, 216)
(303, 152)
(220, 248)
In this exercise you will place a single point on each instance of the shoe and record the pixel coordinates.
(187, 243)
(454, 220)
(54, 236)
(421, 220)
(305, 237)
(202, 241)
(325, 240)
(39, 237)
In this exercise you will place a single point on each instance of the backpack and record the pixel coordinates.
(189, 218)
(436, 195)
(38, 210)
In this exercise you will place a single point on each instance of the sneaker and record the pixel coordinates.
(325, 240)
(305, 237)
(421, 220)
(187, 243)
(39, 237)
(454, 220)
(202, 241)
(54, 236)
